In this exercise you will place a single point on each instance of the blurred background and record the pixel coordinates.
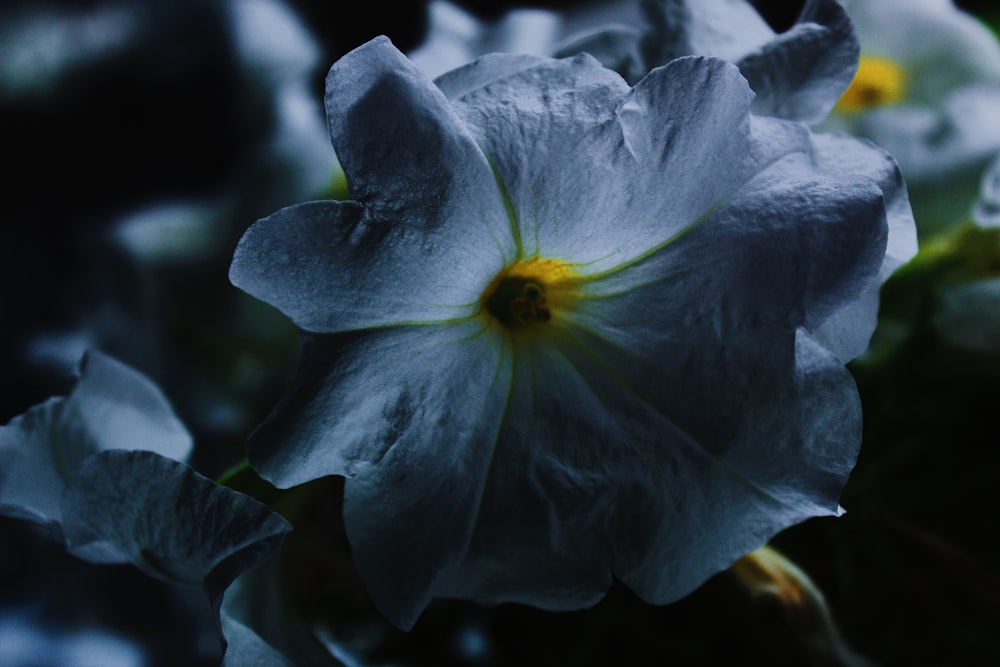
(142, 137)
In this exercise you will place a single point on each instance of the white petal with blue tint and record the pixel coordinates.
(111, 406)
(166, 519)
(647, 382)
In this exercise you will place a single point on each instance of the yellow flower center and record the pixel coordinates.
(878, 82)
(530, 292)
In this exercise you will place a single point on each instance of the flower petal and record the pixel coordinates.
(597, 477)
(167, 520)
(430, 210)
(423, 181)
(717, 391)
(364, 391)
(111, 406)
(483, 72)
(694, 491)
(847, 331)
(540, 536)
(31, 479)
(119, 408)
(841, 156)
(801, 73)
(410, 416)
(261, 626)
(725, 29)
(321, 265)
(538, 127)
(790, 248)
(245, 647)
(686, 125)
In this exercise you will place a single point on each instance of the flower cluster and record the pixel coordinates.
(579, 312)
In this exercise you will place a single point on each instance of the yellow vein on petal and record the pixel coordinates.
(496, 240)
(508, 204)
(400, 324)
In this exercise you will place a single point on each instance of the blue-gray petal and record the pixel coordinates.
(327, 268)
(847, 330)
(598, 174)
(727, 29)
(167, 520)
(791, 247)
(615, 48)
(802, 73)
(261, 628)
(484, 71)
(111, 406)
(410, 416)
(432, 228)
(410, 161)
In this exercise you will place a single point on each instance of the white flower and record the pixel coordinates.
(570, 329)
(927, 87)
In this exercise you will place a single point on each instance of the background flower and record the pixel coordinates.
(87, 467)
(940, 122)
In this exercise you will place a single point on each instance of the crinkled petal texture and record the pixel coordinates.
(428, 195)
(801, 73)
(798, 74)
(170, 522)
(166, 519)
(111, 406)
(847, 330)
(679, 408)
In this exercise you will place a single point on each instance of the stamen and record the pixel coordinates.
(527, 292)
